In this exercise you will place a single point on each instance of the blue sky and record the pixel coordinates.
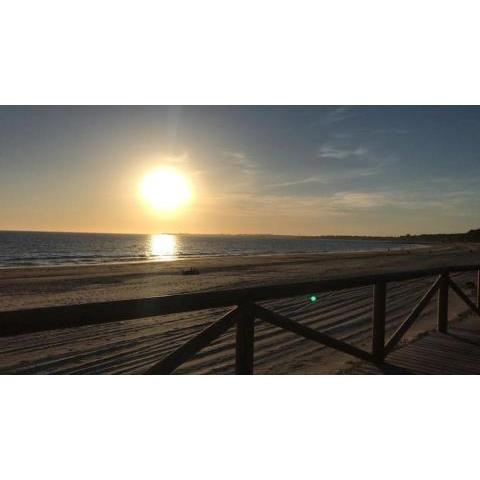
(287, 170)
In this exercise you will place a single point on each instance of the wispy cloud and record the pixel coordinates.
(239, 156)
(384, 132)
(359, 200)
(349, 211)
(336, 152)
(342, 160)
(301, 181)
(339, 205)
(242, 160)
(414, 198)
(336, 164)
(240, 168)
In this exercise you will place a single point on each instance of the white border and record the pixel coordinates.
(255, 52)
(249, 52)
(239, 427)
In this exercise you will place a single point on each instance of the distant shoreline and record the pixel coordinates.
(193, 257)
(472, 235)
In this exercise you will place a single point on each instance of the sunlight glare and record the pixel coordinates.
(163, 246)
(165, 190)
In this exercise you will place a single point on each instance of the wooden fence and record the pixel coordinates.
(246, 309)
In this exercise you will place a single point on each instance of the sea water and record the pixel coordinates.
(48, 248)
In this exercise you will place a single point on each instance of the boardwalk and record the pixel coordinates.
(257, 325)
(455, 353)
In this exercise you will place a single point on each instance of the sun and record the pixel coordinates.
(165, 190)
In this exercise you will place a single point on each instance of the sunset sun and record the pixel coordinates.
(165, 190)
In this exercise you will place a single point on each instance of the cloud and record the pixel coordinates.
(335, 152)
(414, 198)
(350, 210)
(340, 203)
(334, 164)
(341, 160)
(440, 195)
(240, 159)
(237, 168)
(301, 181)
(359, 200)
(369, 133)
(240, 156)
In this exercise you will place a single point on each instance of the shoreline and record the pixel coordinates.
(234, 256)
(397, 249)
(30, 287)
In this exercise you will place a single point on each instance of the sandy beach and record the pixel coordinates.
(132, 346)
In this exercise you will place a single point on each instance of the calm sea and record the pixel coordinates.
(42, 248)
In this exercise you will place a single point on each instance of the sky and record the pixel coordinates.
(301, 170)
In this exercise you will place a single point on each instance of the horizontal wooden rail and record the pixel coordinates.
(18, 322)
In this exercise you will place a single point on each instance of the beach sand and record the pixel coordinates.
(132, 346)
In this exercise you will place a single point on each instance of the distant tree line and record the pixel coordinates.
(472, 236)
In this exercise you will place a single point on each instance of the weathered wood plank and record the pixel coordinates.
(414, 314)
(378, 327)
(442, 320)
(433, 354)
(50, 318)
(310, 333)
(244, 342)
(478, 288)
(464, 297)
(173, 360)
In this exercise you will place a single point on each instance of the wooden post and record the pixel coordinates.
(442, 320)
(379, 310)
(478, 288)
(244, 340)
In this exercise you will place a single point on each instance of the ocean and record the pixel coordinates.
(28, 249)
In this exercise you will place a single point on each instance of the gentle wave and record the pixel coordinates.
(21, 249)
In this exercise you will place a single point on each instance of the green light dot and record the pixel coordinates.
(313, 298)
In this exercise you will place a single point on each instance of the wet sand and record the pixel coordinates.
(132, 346)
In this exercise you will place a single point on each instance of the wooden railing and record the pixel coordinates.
(244, 312)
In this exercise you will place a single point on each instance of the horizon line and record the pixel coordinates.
(231, 234)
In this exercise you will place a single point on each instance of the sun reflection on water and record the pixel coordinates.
(163, 247)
